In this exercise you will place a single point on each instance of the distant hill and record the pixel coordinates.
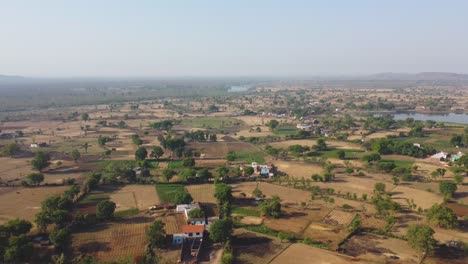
(10, 77)
(423, 76)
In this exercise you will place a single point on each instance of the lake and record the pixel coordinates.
(448, 118)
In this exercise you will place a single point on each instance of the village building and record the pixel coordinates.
(263, 169)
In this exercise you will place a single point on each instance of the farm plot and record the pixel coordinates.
(135, 196)
(287, 195)
(296, 221)
(421, 198)
(203, 193)
(24, 203)
(13, 169)
(297, 169)
(301, 253)
(110, 241)
(338, 217)
(255, 248)
(373, 248)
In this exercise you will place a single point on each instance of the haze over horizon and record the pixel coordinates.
(242, 38)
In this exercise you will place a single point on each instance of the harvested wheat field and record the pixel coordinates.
(135, 196)
(295, 220)
(110, 241)
(24, 203)
(301, 253)
(203, 193)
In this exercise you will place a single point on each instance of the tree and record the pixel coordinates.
(40, 161)
(105, 209)
(35, 178)
(379, 188)
(271, 207)
(61, 238)
(355, 225)
(441, 216)
(157, 152)
(86, 146)
(341, 154)
(458, 179)
(447, 188)
(17, 227)
(204, 174)
(187, 174)
(223, 193)
(182, 197)
(76, 155)
(10, 150)
(85, 116)
(257, 193)
(141, 153)
(168, 174)
(272, 124)
(231, 156)
(321, 144)
(156, 234)
(420, 237)
(248, 170)
(371, 157)
(188, 162)
(19, 249)
(196, 213)
(102, 140)
(221, 230)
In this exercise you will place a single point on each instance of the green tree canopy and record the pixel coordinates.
(141, 153)
(220, 230)
(441, 216)
(156, 234)
(35, 178)
(105, 209)
(420, 237)
(40, 161)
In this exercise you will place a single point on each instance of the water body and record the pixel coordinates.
(239, 88)
(448, 118)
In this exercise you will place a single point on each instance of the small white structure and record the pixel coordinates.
(186, 208)
(440, 155)
(34, 145)
(303, 126)
(417, 145)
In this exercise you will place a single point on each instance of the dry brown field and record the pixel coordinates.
(111, 241)
(421, 198)
(300, 253)
(135, 196)
(255, 247)
(377, 249)
(287, 195)
(203, 193)
(297, 169)
(24, 203)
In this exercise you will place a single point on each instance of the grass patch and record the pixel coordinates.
(94, 198)
(286, 130)
(250, 156)
(263, 229)
(126, 213)
(400, 163)
(166, 192)
(174, 165)
(245, 211)
(333, 153)
(211, 122)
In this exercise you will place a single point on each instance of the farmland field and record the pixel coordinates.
(24, 203)
(300, 253)
(203, 193)
(110, 241)
(166, 191)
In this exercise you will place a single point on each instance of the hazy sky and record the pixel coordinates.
(231, 38)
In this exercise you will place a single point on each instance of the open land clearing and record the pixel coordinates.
(256, 248)
(300, 253)
(24, 203)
